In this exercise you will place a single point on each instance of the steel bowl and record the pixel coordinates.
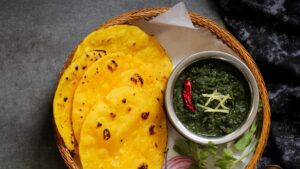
(237, 63)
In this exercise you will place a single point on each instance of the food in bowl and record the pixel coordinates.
(202, 107)
(220, 97)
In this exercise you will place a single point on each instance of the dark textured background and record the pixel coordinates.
(36, 37)
(269, 30)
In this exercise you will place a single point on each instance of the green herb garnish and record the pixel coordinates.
(226, 161)
(246, 138)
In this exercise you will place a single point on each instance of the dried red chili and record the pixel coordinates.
(187, 95)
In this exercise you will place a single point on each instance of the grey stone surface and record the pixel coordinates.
(36, 36)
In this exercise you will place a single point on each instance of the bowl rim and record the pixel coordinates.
(238, 64)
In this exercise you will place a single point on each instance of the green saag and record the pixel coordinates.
(208, 77)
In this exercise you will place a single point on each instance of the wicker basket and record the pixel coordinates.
(221, 34)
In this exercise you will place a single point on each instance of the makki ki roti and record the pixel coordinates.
(129, 40)
(112, 71)
(124, 134)
(62, 103)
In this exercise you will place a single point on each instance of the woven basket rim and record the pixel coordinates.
(222, 34)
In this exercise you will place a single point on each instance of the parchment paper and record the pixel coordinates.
(177, 35)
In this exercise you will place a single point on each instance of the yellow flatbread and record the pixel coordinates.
(118, 135)
(115, 70)
(129, 40)
(62, 103)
